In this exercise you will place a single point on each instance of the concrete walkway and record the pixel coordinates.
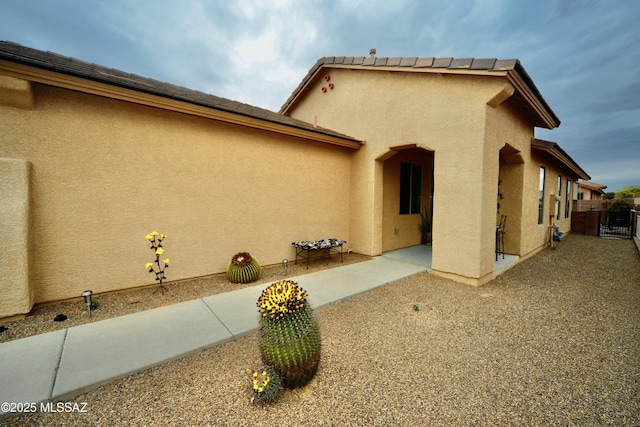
(60, 365)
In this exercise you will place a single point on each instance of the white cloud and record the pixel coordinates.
(264, 55)
(581, 54)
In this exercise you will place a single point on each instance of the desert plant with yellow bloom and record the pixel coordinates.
(158, 266)
(290, 337)
(266, 385)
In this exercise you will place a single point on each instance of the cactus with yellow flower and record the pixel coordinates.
(158, 266)
(266, 385)
(290, 337)
(243, 268)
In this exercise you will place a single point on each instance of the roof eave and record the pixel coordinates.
(67, 80)
(528, 90)
(559, 154)
(297, 93)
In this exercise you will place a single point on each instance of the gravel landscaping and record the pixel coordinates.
(553, 341)
(114, 304)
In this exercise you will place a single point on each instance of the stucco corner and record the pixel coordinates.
(16, 294)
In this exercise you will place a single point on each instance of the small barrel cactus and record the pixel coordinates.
(243, 268)
(266, 385)
(290, 338)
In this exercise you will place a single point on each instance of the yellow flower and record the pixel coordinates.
(260, 389)
(148, 237)
(166, 261)
(154, 233)
(148, 265)
(163, 236)
(159, 251)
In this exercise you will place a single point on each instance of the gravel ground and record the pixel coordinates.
(553, 341)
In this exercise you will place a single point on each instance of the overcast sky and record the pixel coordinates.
(583, 55)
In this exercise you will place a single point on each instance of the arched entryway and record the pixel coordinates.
(510, 197)
(407, 203)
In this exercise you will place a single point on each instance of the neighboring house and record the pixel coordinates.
(588, 190)
(589, 196)
(92, 159)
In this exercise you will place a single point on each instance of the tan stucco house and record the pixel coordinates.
(589, 190)
(466, 126)
(589, 196)
(92, 159)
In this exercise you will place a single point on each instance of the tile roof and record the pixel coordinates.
(592, 185)
(452, 65)
(559, 154)
(17, 53)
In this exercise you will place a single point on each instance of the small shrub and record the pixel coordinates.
(617, 205)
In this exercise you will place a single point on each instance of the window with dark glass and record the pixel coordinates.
(410, 188)
(541, 185)
(559, 197)
(567, 199)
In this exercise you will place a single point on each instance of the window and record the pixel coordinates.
(543, 173)
(410, 188)
(581, 196)
(567, 199)
(560, 197)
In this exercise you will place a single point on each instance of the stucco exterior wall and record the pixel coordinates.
(107, 172)
(16, 293)
(508, 130)
(553, 170)
(443, 113)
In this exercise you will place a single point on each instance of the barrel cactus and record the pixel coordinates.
(266, 385)
(243, 268)
(290, 338)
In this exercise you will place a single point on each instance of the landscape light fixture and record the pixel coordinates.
(87, 300)
(285, 264)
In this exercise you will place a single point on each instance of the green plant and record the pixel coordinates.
(618, 212)
(628, 192)
(290, 338)
(617, 205)
(158, 266)
(266, 385)
(243, 268)
(425, 225)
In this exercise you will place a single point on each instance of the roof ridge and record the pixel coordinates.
(490, 64)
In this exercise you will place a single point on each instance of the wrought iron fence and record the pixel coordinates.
(615, 224)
